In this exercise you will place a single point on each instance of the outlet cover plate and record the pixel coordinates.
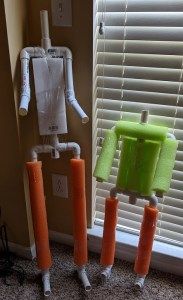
(59, 185)
(61, 12)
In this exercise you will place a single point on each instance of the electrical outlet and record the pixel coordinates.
(61, 12)
(59, 184)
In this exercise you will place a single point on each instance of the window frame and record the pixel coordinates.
(165, 257)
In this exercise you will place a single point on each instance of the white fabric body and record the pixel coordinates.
(50, 97)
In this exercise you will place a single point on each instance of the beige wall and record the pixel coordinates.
(23, 29)
(12, 199)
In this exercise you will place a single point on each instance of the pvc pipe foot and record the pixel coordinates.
(106, 273)
(46, 283)
(23, 109)
(85, 120)
(84, 279)
(139, 281)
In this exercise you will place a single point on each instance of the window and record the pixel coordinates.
(138, 64)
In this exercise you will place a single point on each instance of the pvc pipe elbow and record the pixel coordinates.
(62, 51)
(40, 149)
(153, 201)
(28, 52)
(68, 53)
(106, 273)
(171, 136)
(46, 283)
(139, 281)
(72, 146)
(84, 279)
(61, 147)
(75, 148)
(25, 53)
(79, 111)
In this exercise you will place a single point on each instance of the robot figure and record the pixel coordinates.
(53, 65)
(145, 171)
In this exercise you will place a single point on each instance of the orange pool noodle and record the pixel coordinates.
(108, 241)
(147, 233)
(39, 217)
(79, 211)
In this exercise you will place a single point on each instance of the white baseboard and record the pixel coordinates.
(22, 251)
(165, 257)
(61, 238)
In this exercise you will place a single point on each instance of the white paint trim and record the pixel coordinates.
(22, 251)
(61, 238)
(165, 257)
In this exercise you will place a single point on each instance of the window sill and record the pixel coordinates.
(165, 257)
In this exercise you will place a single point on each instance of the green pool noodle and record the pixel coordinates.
(147, 159)
(105, 159)
(165, 166)
(127, 159)
(138, 165)
(141, 131)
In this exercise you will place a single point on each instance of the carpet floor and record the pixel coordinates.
(65, 284)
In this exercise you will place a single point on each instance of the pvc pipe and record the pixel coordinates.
(171, 136)
(70, 95)
(144, 116)
(45, 41)
(106, 273)
(84, 279)
(46, 283)
(25, 91)
(71, 146)
(59, 147)
(79, 111)
(153, 201)
(114, 191)
(139, 281)
(69, 80)
(25, 56)
(29, 52)
(60, 52)
(40, 149)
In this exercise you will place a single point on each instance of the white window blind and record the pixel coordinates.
(138, 65)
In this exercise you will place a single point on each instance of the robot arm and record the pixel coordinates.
(25, 57)
(69, 93)
(105, 160)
